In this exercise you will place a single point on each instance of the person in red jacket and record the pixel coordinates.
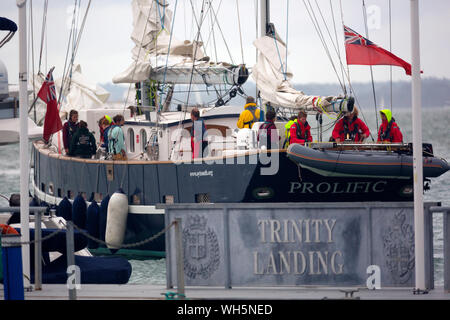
(268, 133)
(389, 131)
(300, 131)
(350, 128)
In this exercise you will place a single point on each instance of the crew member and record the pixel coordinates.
(116, 139)
(110, 123)
(103, 123)
(389, 132)
(250, 115)
(69, 129)
(350, 128)
(83, 142)
(268, 133)
(287, 128)
(199, 143)
(300, 131)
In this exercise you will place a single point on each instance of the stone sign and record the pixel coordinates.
(293, 244)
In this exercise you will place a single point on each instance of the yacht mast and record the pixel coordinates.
(417, 148)
(265, 17)
(264, 13)
(24, 157)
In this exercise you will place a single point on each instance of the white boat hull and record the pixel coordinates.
(10, 129)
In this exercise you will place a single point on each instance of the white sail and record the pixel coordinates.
(151, 35)
(159, 56)
(82, 94)
(273, 80)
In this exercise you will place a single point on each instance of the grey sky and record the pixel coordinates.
(106, 45)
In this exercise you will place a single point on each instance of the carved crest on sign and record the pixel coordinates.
(398, 244)
(201, 248)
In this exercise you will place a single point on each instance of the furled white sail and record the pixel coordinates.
(151, 35)
(82, 94)
(163, 58)
(273, 79)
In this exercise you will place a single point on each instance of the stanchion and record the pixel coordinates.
(12, 267)
(180, 258)
(37, 252)
(70, 258)
(447, 250)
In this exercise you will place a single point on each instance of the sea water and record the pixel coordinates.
(435, 128)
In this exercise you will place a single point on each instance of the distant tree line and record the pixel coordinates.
(435, 92)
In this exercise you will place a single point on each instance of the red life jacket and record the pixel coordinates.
(389, 131)
(300, 133)
(345, 129)
(265, 134)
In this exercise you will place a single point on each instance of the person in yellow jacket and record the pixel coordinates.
(287, 132)
(250, 115)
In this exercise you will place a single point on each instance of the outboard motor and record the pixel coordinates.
(427, 149)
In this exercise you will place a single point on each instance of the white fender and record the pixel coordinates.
(116, 221)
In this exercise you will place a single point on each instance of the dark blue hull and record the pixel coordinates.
(238, 179)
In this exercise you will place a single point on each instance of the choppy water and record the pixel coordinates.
(435, 122)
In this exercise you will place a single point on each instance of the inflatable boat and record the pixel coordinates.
(364, 162)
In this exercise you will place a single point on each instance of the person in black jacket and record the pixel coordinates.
(199, 142)
(83, 143)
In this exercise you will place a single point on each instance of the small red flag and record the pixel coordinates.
(47, 93)
(362, 51)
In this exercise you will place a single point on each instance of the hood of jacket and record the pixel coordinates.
(387, 113)
(83, 131)
(248, 105)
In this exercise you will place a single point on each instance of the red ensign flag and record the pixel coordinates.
(360, 50)
(47, 93)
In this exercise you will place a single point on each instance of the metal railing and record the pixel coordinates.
(37, 240)
(446, 227)
(71, 227)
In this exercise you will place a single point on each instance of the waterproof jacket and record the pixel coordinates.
(389, 132)
(69, 129)
(250, 115)
(353, 130)
(268, 134)
(300, 133)
(198, 138)
(116, 140)
(105, 136)
(287, 128)
(83, 144)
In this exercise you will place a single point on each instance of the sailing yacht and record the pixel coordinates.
(160, 167)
